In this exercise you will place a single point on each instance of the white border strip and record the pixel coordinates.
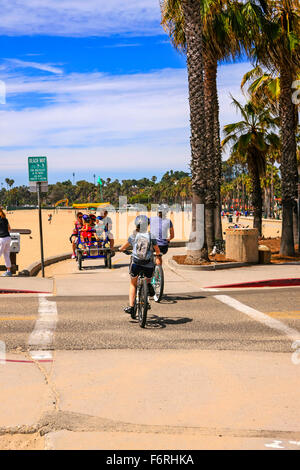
(294, 335)
(42, 335)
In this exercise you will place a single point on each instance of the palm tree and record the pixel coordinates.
(264, 88)
(275, 32)
(219, 43)
(252, 138)
(193, 30)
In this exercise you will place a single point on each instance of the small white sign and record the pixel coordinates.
(33, 187)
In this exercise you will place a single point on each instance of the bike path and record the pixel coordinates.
(95, 279)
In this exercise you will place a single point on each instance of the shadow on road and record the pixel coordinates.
(162, 322)
(92, 268)
(173, 299)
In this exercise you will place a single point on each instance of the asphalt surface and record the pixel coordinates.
(201, 375)
(188, 321)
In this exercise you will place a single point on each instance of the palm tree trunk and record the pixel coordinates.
(272, 191)
(295, 223)
(197, 247)
(218, 156)
(256, 194)
(289, 174)
(199, 164)
(212, 174)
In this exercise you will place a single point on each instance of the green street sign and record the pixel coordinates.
(37, 169)
(99, 181)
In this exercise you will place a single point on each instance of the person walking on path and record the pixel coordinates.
(162, 229)
(5, 242)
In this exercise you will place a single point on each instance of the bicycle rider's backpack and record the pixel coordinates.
(142, 247)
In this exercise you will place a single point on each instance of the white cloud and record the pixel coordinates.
(96, 120)
(80, 18)
(22, 64)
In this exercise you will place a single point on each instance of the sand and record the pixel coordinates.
(22, 442)
(56, 235)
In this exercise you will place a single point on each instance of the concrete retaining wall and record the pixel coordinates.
(242, 245)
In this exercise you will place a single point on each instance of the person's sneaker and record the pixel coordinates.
(151, 290)
(128, 310)
(7, 274)
(73, 256)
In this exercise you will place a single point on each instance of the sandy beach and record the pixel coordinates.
(56, 235)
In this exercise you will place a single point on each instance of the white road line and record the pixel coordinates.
(209, 289)
(294, 335)
(42, 335)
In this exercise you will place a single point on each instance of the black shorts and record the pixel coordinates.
(163, 249)
(136, 269)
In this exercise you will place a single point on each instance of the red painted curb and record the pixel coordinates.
(266, 283)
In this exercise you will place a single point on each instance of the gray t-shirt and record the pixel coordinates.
(160, 228)
(104, 225)
(153, 242)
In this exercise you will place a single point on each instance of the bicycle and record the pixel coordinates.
(141, 304)
(158, 282)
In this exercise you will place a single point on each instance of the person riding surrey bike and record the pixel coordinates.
(162, 229)
(74, 237)
(143, 246)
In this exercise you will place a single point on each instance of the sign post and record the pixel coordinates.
(38, 173)
(299, 211)
(99, 181)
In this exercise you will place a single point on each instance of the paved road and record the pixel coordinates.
(212, 369)
(181, 321)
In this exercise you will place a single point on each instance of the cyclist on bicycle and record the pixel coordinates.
(162, 229)
(143, 246)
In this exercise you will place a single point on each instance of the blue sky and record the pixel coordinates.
(98, 88)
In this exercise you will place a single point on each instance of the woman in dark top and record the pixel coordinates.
(5, 242)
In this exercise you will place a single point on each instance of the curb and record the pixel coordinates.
(22, 291)
(210, 267)
(34, 268)
(179, 244)
(265, 283)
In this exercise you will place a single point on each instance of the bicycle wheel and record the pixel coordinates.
(108, 259)
(143, 303)
(133, 315)
(158, 283)
(79, 260)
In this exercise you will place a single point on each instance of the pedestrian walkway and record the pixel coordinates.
(25, 285)
(94, 279)
(64, 278)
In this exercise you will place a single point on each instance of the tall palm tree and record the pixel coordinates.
(193, 30)
(275, 33)
(265, 89)
(253, 138)
(218, 44)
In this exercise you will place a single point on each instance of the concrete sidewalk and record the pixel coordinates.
(94, 279)
(64, 278)
(18, 284)
(180, 400)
